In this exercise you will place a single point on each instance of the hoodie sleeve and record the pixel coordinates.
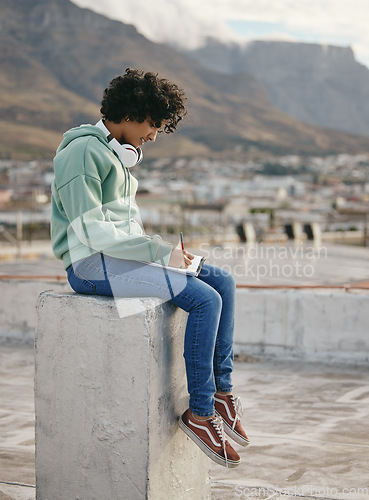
(89, 221)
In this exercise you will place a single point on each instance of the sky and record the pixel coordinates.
(188, 22)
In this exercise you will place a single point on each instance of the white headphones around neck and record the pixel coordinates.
(128, 154)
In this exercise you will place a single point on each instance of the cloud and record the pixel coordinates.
(188, 22)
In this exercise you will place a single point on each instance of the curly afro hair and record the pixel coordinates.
(137, 95)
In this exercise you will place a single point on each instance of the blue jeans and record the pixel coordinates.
(209, 300)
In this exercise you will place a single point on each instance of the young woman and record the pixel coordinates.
(95, 230)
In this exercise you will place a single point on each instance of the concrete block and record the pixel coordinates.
(108, 393)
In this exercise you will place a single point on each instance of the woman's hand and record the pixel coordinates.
(180, 258)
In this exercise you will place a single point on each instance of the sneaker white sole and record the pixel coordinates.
(233, 434)
(208, 451)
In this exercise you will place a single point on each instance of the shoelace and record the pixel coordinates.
(218, 426)
(237, 405)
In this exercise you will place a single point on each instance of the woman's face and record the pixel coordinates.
(137, 134)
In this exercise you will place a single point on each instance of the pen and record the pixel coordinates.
(182, 243)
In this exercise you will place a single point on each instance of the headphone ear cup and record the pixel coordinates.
(127, 153)
(130, 155)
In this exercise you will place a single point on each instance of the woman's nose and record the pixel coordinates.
(153, 135)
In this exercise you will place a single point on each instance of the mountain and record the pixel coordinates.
(56, 59)
(318, 84)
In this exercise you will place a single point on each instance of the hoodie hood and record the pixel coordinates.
(82, 131)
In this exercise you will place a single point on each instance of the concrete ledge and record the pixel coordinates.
(18, 316)
(315, 324)
(108, 392)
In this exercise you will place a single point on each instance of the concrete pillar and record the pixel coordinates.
(109, 388)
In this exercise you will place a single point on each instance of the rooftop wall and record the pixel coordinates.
(318, 324)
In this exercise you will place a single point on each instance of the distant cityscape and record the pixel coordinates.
(216, 201)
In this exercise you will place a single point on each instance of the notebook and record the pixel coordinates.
(193, 269)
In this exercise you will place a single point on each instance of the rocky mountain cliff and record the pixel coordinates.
(56, 59)
(317, 84)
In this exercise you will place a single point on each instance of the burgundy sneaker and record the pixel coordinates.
(209, 436)
(230, 409)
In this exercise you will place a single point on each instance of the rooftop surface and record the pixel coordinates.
(307, 424)
(261, 264)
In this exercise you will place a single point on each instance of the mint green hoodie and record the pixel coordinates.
(93, 203)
